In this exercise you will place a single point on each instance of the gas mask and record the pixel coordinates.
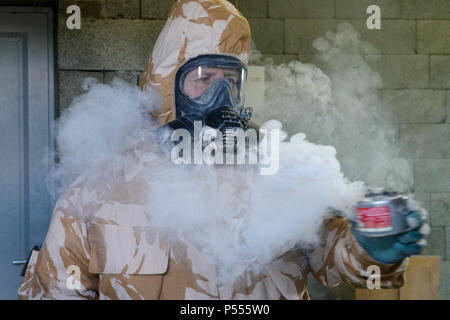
(211, 89)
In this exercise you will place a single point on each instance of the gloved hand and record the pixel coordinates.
(392, 249)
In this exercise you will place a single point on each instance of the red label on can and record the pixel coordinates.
(374, 219)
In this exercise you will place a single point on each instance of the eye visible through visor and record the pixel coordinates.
(198, 80)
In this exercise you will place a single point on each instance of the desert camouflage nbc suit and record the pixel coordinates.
(102, 226)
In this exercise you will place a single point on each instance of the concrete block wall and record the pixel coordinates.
(115, 39)
(117, 36)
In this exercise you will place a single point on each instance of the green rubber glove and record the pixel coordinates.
(392, 249)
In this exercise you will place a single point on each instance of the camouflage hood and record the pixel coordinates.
(194, 27)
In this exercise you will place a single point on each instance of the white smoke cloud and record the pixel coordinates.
(340, 105)
(243, 220)
(100, 125)
(237, 217)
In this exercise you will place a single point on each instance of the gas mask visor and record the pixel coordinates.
(209, 82)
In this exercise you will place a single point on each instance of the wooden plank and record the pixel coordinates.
(422, 279)
(421, 283)
(380, 294)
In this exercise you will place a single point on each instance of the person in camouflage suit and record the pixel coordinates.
(100, 225)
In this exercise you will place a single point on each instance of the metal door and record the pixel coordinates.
(26, 137)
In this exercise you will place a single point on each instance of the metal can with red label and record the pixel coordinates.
(382, 214)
